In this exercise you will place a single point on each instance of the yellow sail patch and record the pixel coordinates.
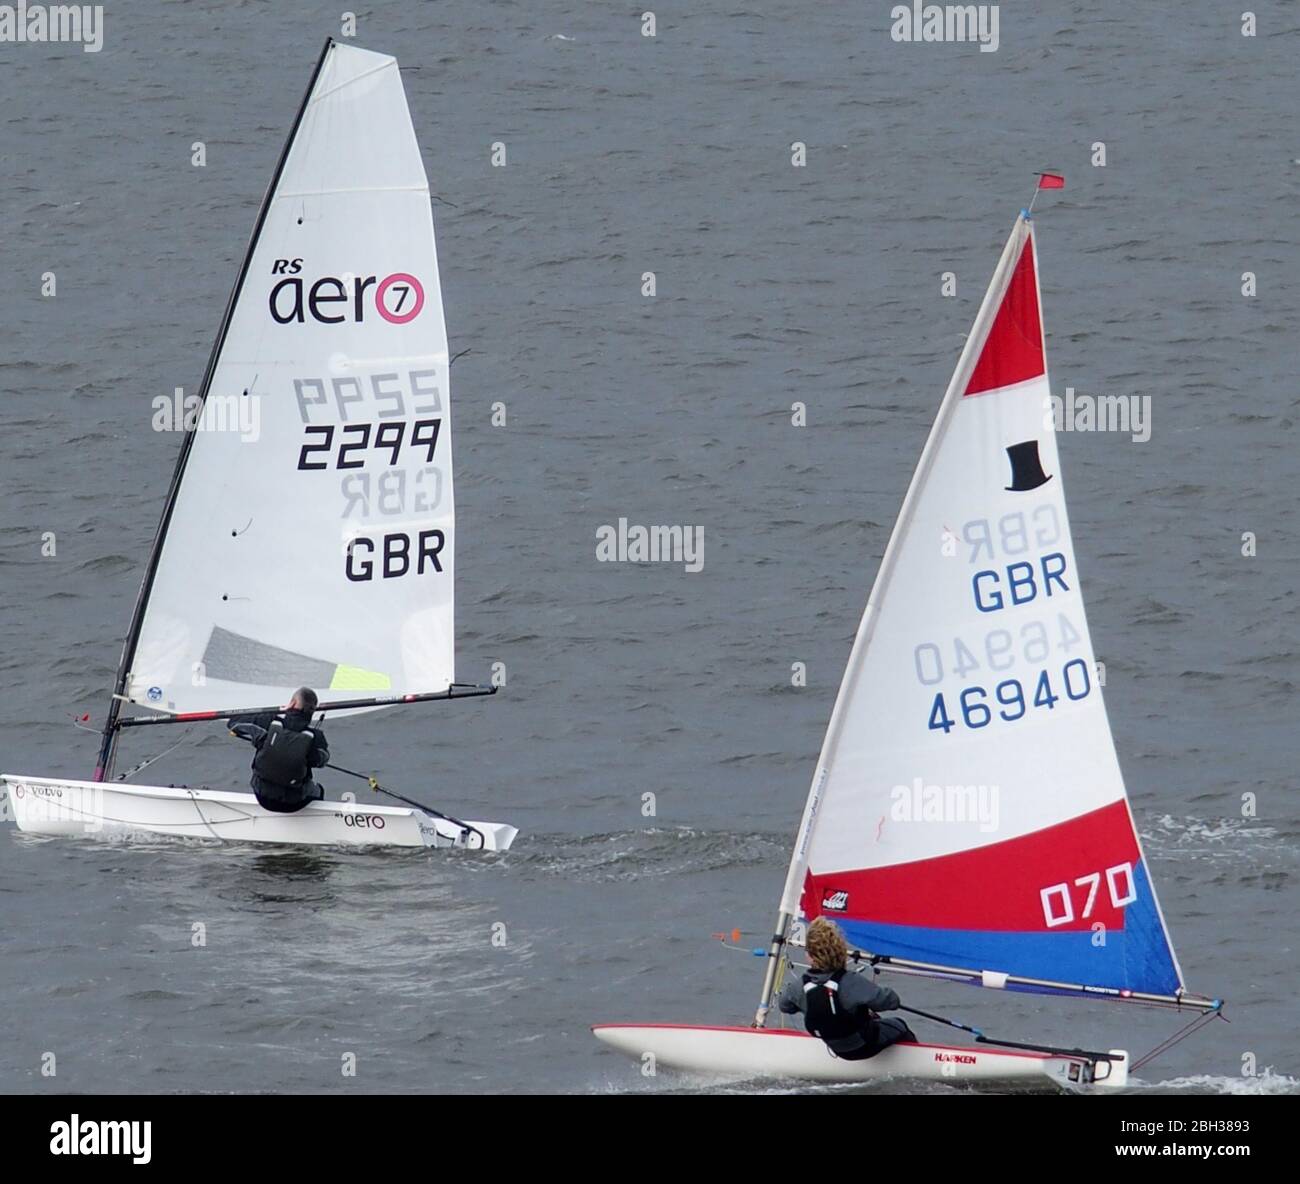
(353, 678)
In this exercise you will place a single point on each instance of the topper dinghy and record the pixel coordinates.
(967, 820)
(307, 537)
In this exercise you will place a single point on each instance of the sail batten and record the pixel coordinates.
(356, 189)
(968, 809)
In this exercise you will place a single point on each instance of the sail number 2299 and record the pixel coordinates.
(1011, 699)
(355, 442)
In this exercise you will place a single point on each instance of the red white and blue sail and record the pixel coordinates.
(968, 808)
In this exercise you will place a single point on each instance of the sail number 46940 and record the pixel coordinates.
(1011, 699)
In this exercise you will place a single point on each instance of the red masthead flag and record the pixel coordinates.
(1051, 181)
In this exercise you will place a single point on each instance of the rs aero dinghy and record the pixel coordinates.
(972, 669)
(307, 537)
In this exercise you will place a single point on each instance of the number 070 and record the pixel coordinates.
(1059, 904)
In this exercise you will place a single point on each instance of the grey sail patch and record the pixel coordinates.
(231, 657)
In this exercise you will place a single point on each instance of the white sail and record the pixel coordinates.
(968, 808)
(311, 538)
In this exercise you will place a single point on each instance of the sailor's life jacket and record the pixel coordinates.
(840, 1007)
(842, 1029)
(284, 757)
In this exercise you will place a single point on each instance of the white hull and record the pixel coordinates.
(748, 1053)
(114, 809)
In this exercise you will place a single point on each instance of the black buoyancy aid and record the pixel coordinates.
(284, 755)
(823, 1015)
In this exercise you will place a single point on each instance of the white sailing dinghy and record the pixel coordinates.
(967, 820)
(308, 534)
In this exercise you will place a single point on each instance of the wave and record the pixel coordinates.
(1235, 839)
(1266, 1082)
(655, 851)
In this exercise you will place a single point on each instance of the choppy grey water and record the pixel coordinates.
(775, 284)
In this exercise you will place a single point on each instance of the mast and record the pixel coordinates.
(108, 742)
(799, 859)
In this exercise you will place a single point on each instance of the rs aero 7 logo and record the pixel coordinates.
(363, 821)
(334, 300)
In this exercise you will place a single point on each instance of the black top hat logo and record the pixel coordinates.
(1026, 467)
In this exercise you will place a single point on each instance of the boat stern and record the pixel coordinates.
(473, 836)
(1112, 1074)
(1076, 1074)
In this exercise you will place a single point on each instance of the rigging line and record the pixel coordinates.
(782, 968)
(73, 811)
(185, 738)
(243, 816)
(455, 356)
(198, 809)
(938, 1019)
(980, 1038)
(338, 86)
(1083, 1053)
(372, 781)
(784, 965)
(1188, 1029)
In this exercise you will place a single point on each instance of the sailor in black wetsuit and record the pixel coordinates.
(838, 1004)
(288, 749)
